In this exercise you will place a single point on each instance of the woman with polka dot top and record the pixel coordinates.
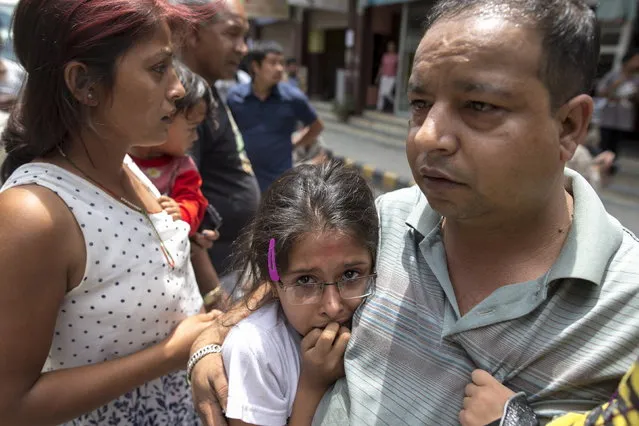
(99, 303)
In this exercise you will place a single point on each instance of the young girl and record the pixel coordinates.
(313, 241)
(176, 176)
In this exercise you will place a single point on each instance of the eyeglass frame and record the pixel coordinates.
(370, 277)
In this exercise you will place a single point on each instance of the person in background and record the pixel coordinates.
(618, 91)
(12, 77)
(291, 72)
(268, 112)
(99, 302)
(177, 178)
(387, 75)
(223, 86)
(214, 50)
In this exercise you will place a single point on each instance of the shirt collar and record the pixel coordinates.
(593, 239)
(275, 91)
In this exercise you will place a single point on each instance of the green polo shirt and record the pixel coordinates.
(569, 335)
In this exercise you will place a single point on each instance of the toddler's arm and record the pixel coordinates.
(484, 400)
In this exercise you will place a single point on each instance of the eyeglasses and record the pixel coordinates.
(308, 294)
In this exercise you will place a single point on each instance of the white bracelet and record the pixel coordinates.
(201, 353)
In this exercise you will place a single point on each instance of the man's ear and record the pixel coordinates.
(255, 66)
(191, 37)
(574, 118)
(80, 84)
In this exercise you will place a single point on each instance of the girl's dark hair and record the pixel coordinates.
(309, 198)
(48, 34)
(196, 89)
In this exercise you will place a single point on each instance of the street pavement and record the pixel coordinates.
(384, 149)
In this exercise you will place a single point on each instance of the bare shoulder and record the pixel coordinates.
(37, 225)
(32, 211)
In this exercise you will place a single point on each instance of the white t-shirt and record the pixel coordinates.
(262, 361)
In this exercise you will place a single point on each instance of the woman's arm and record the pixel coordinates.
(41, 256)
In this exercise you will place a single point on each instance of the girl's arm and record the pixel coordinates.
(187, 193)
(322, 364)
(42, 252)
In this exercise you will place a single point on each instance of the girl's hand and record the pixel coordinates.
(170, 206)
(485, 400)
(323, 356)
(179, 342)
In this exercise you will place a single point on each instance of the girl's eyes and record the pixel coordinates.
(305, 280)
(351, 274)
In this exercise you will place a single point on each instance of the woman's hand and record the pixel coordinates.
(170, 206)
(323, 356)
(485, 400)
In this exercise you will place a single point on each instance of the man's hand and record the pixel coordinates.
(485, 400)
(209, 384)
(208, 379)
(323, 356)
(170, 206)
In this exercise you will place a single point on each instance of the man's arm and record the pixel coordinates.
(307, 136)
(209, 384)
(305, 114)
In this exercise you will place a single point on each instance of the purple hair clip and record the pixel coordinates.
(272, 265)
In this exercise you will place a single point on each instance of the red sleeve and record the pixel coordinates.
(187, 193)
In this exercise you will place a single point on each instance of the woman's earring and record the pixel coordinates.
(91, 101)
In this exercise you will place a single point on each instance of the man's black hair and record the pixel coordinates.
(568, 30)
(260, 51)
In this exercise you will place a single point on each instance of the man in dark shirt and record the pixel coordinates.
(214, 50)
(268, 112)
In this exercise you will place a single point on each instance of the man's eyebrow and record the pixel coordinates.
(474, 87)
(416, 88)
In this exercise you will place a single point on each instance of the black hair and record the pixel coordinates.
(291, 61)
(309, 198)
(196, 89)
(568, 30)
(260, 51)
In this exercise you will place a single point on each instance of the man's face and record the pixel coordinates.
(271, 71)
(218, 48)
(483, 141)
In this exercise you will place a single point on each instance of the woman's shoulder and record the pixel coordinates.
(33, 208)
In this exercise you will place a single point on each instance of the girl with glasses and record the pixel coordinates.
(313, 241)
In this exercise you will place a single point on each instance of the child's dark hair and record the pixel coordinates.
(196, 89)
(309, 198)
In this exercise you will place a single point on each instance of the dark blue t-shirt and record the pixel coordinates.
(267, 127)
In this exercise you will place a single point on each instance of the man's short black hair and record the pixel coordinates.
(291, 61)
(568, 30)
(260, 50)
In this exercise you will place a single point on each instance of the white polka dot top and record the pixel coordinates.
(129, 298)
